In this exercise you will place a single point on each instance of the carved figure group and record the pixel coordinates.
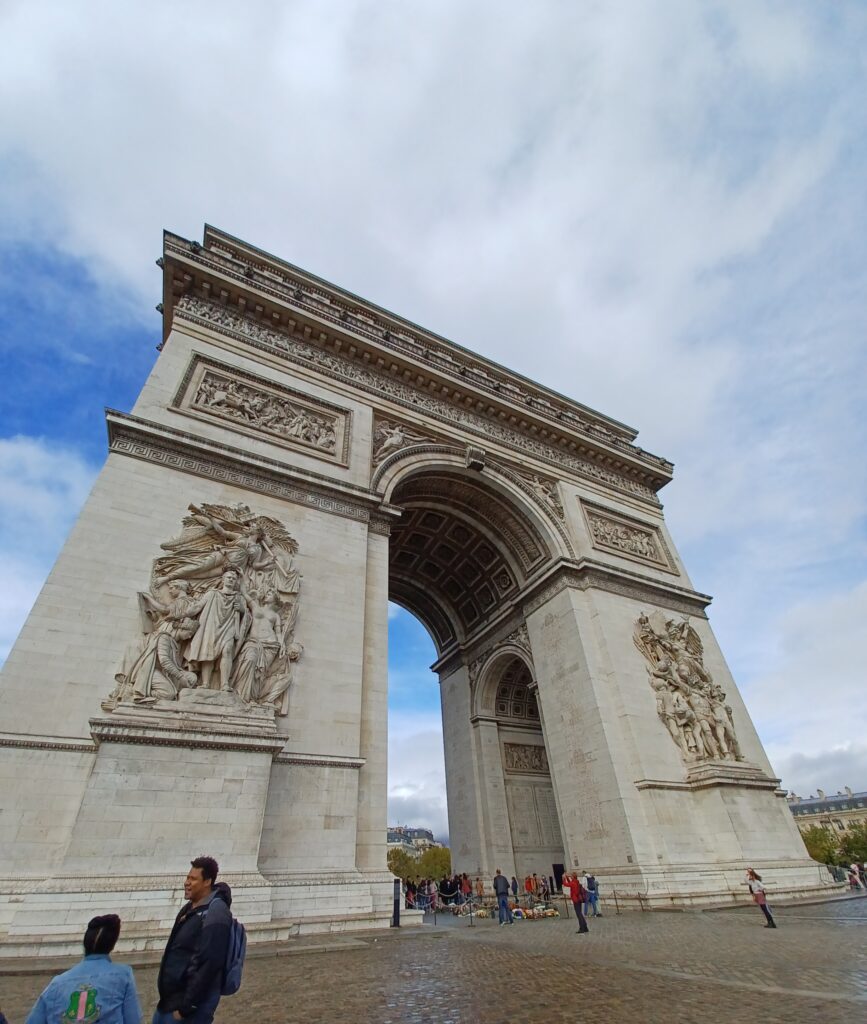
(624, 538)
(689, 703)
(243, 403)
(220, 613)
(526, 757)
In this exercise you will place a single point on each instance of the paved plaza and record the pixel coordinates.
(663, 967)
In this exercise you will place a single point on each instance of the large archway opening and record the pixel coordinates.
(459, 558)
(508, 695)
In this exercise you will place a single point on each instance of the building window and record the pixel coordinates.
(840, 825)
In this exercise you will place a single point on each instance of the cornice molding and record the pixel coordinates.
(320, 760)
(75, 746)
(588, 575)
(199, 456)
(104, 730)
(416, 392)
(715, 773)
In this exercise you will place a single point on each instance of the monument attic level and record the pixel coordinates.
(277, 294)
(217, 624)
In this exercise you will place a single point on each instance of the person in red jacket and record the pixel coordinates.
(578, 894)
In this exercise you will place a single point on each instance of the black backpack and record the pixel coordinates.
(591, 883)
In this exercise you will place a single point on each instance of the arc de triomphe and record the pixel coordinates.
(205, 668)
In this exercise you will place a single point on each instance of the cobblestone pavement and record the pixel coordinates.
(663, 967)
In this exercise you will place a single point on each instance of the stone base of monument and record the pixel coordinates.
(169, 781)
(48, 918)
(686, 886)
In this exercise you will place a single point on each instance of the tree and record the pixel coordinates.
(435, 862)
(853, 843)
(402, 864)
(821, 844)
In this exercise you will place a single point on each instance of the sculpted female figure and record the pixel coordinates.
(259, 651)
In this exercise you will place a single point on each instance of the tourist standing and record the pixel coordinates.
(466, 888)
(501, 891)
(754, 881)
(95, 988)
(578, 895)
(191, 972)
(593, 894)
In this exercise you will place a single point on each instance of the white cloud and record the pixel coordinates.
(42, 488)
(809, 707)
(653, 208)
(416, 773)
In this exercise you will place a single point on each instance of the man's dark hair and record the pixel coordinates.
(101, 934)
(209, 867)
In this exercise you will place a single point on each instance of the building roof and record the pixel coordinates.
(823, 803)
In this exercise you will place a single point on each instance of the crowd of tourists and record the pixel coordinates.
(201, 963)
(430, 894)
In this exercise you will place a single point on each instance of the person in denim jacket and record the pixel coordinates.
(95, 989)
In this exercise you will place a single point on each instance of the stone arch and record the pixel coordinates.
(431, 457)
(486, 673)
(515, 771)
(466, 544)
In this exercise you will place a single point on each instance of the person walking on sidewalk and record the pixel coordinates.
(501, 890)
(754, 881)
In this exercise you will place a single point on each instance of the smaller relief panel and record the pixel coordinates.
(213, 392)
(527, 758)
(629, 538)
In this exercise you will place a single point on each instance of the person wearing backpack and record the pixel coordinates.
(592, 887)
(194, 965)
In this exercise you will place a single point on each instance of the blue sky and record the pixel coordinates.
(656, 208)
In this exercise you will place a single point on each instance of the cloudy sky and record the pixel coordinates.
(657, 208)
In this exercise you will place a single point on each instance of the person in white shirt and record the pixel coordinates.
(754, 881)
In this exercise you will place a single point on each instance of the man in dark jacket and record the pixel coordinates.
(501, 890)
(191, 972)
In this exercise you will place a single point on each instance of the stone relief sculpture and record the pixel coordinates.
(235, 400)
(546, 491)
(219, 617)
(690, 704)
(525, 757)
(390, 437)
(612, 534)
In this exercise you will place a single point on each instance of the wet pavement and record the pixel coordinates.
(671, 968)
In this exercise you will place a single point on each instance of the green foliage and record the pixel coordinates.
(821, 844)
(435, 863)
(402, 864)
(853, 843)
